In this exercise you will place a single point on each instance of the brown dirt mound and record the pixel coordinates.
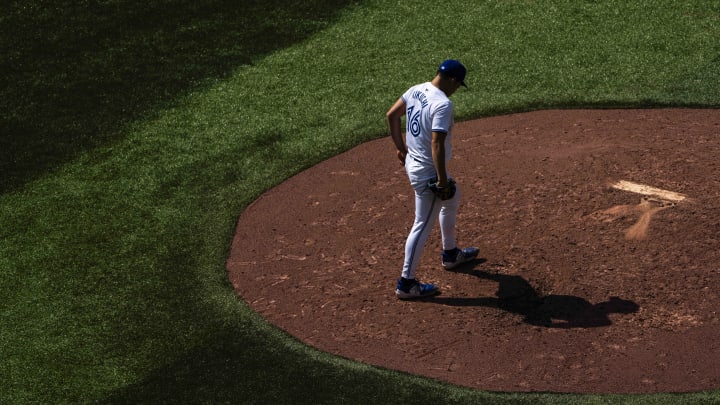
(582, 286)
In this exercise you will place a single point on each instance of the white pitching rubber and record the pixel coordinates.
(648, 190)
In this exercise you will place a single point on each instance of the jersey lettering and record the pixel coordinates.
(419, 95)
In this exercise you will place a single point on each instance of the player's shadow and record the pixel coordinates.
(516, 295)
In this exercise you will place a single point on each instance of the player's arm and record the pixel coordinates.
(393, 119)
(438, 155)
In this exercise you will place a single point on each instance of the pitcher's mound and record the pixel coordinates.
(582, 286)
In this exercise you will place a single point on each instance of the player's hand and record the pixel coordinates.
(402, 155)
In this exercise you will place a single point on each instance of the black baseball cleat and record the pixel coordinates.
(457, 257)
(414, 289)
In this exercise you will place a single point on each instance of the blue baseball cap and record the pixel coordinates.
(455, 69)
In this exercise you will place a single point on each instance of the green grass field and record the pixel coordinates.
(132, 135)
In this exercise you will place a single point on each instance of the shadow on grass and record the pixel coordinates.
(241, 367)
(516, 295)
(73, 74)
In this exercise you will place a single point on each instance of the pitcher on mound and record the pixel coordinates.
(425, 152)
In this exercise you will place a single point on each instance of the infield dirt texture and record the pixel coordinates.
(580, 286)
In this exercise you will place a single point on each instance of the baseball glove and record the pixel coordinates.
(443, 193)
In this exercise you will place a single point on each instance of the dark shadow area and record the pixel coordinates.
(73, 74)
(516, 295)
(244, 366)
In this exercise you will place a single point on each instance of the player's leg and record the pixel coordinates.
(448, 216)
(426, 214)
(427, 208)
(452, 255)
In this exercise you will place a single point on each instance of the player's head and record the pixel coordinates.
(452, 69)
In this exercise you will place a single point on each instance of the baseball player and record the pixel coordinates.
(425, 152)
